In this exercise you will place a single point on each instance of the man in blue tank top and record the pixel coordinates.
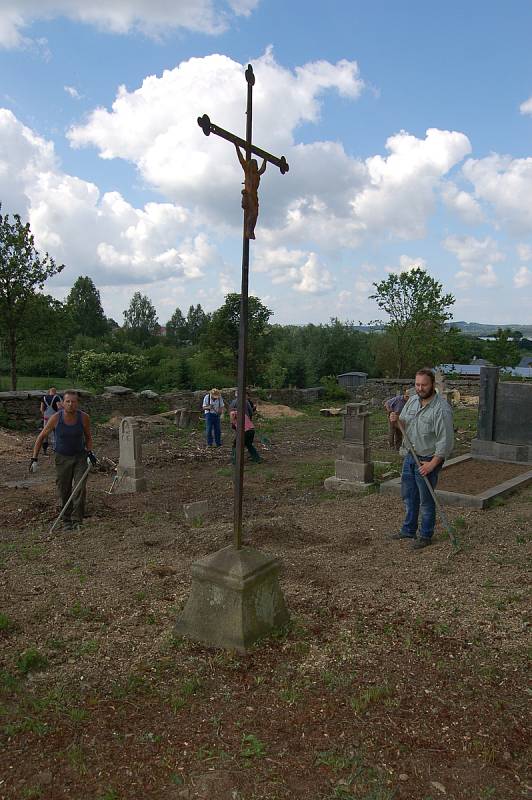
(73, 448)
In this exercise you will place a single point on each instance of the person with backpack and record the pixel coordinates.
(50, 403)
(213, 408)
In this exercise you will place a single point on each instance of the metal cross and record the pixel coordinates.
(250, 205)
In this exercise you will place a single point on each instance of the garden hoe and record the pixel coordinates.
(446, 524)
(78, 485)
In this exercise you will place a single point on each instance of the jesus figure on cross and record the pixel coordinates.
(250, 192)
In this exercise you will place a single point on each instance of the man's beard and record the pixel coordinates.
(423, 394)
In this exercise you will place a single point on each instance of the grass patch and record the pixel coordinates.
(85, 613)
(312, 475)
(187, 690)
(7, 625)
(370, 696)
(252, 747)
(31, 661)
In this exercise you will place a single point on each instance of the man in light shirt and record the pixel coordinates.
(428, 422)
(213, 408)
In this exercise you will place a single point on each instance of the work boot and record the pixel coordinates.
(423, 541)
(402, 535)
(77, 526)
(67, 525)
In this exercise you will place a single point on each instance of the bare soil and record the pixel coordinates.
(401, 675)
(473, 476)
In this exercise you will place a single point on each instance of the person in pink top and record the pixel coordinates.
(249, 431)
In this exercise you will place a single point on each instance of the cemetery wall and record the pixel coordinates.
(377, 390)
(21, 409)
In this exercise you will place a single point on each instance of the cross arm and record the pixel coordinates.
(209, 127)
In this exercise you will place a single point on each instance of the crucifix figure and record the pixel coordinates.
(250, 192)
(250, 204)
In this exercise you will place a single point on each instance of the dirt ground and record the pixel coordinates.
(402, 674)
(473, 477)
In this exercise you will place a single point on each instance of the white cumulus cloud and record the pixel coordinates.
(463, 204)
(154, 18)
(506, 184)
(476, 257)
(522, 278)
(399, 195)
(526, 106)
(302, 270)
(93, 233)
(524, 251)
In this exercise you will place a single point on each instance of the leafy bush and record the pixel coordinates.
(332, 390)
(100, 369)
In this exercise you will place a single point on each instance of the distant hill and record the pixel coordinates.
(482, 329)
(468, 328)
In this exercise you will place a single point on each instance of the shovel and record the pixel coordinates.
(446, 524)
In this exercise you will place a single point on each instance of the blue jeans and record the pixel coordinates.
(214, 427)
(417, 497)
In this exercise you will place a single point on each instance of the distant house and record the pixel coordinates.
(351, 380)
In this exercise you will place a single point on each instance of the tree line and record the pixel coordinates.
(41, 336)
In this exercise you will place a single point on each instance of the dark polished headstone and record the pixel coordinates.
(489, 377)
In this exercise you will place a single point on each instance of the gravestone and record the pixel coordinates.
(130, 472)
(353, 467)
(197, 511)
(504, 426)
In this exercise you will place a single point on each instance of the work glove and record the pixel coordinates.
(33, 465)
(91, 459)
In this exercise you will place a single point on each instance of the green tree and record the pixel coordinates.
(85, 310)
(22, 272)
(141, 321)
(460, 349)
(220, 340)
(43, 351)
(177, 328)
(197, 322)
(503, 351)
(418, 309)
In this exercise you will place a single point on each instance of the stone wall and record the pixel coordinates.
(21, 409)
(377, 390)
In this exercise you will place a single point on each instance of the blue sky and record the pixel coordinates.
(408, 129)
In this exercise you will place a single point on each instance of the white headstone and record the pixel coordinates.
(130, 472)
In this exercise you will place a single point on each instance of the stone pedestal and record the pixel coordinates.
(235, 599)
(353, 468)
(130, 472)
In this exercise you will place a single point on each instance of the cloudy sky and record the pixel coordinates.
(407, 127)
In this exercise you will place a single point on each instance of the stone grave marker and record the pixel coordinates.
(353, 467)
(504, 426)
(130, 472)
(197, 511)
